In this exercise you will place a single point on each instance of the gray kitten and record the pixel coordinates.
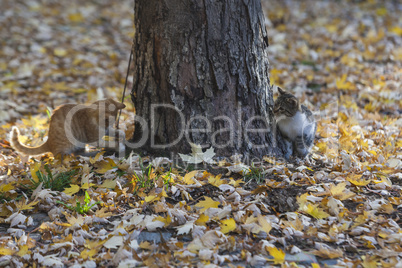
(296, 124)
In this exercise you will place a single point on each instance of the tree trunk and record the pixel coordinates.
(201, 76)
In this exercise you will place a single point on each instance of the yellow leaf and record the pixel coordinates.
(322, 146)
(145, 245)
(4, 188)
(381, 11)
(302, 200)
(6, 251)
(153, 175)
(383, 234)
(339, 191)
(228, 225)
(105, 165)
(163, 193)
(278, 254)
(358, 180)
(77, 221)
(166, 220)
(91, 244)
(85, 182)
(109, 183)
(108, 138)
(37, 122)
(60, 52)
(235, 183)
(370, 107)
(23, 250)
(42, 50)
(153, 198)
(251, 219)
(265, 225)
(96, 158)
(150, 198)
(315, 211)
(188, 178)
(207, 203)
(396, 30)
(88, 254)
(72, 190)
(216, 181)
(75, 17)
(103, 213)
(361, 219)
(341, 83)
(274, 76)
(387, 208)
(3, 66)
(370, 261)
(328, 253)
(384, 180)
(22, 206)
(332, 28)
(35, 168)
(202, 220)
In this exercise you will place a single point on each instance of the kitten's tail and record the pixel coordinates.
(16, 144)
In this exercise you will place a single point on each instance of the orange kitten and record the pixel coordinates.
(72, 126)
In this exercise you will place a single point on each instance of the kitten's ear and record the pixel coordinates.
(118, 105)
(121, 106)
(292, 101)
(281, 91)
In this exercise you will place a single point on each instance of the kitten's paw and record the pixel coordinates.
(288, 155)
(288, 149)
(295, 160)
(302, 153)
(303, 146)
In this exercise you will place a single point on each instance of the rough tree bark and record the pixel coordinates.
(207, 61)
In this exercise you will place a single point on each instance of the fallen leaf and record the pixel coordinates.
(198, 156)
(6, 251)
(202, 220)
(110, 184)
(207, 203)
(216, 180)
(265, 225)
(186, 228)
(228, 225)
(105, 165)
(340, 192)
(278, 254)
(315, 211)
(73, 189)
(114, 242)
(60, 52)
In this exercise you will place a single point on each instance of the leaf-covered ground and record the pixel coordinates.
(341, 207)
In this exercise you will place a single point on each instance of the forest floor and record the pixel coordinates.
(342, 206)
